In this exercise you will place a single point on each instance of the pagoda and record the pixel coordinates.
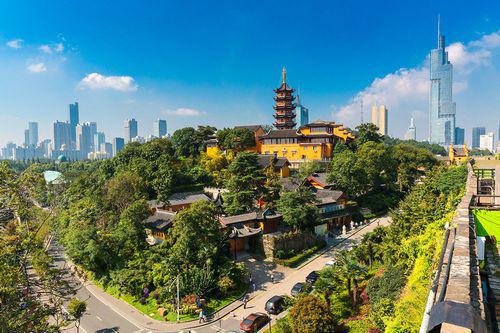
(285, 107)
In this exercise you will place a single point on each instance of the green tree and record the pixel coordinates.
(185, 142)
(411, 164)
(129, 234)
(310, 314)
(125, 188)
(238, 138)
(308, 168)
(367, 132)
(298, 208)
(378, 164)
(352, 271)
(348, 174)
(245, 183)
(76, 309)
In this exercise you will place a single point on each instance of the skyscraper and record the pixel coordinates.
(84, 139)
(411, 134)
(33, 129)
(160, 128)
(441, 105)
(130, 126)
(61, 135)
(380, 118)
(26, 138)
(74, 119)
(99, 139)
(476, 134)
(302, 111)
(459, 136)
(118, 144)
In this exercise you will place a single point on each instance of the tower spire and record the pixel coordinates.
(283, 75)
(439, 26)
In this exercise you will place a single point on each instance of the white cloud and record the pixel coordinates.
(184, 112)
(96, 81)
(59, 47)
(37, 68)
(15, 43)
(49, 49)
(45, 48)
(407, 90)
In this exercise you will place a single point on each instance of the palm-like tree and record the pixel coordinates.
(348, 266)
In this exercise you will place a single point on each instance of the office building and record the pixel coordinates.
(160, 128)
(302, 111)
(8, 150)
(45, 145)
(99, 139)
(61, 135)
(411, 134)
(441, 105)
(130, 126)
(74, 119)
(107, 148)
(380, 119)
(118, 144)
(476, 134)
(33, 133)
(26, 138)
(84, 139)
(30, 152)
(459, 136)
(487, 141)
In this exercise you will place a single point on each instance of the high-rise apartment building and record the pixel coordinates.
(160, 128)
(84, 139)
(106, 148)
(487, 141)
(99, 139)
(74, 119)
(459, 136)
(118, 144)
(33, 136)
(411, 134)
(380, 119)
(130, 126)
(441, 105)
(26, 138)
(302, 111)
(476, 134)
(61, 135)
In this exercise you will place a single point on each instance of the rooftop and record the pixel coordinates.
(187, 198)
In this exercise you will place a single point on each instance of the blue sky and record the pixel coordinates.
(201, 62)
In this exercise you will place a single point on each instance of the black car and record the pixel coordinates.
(275, 305)
(312, 277)
(297, 289)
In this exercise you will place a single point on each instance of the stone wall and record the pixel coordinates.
(287, 241)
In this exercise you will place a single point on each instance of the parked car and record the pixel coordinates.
(275, 305)
(312, 277)
(330, 263)
(254, 322)
(297, 289)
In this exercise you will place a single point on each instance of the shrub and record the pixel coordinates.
(225, 284)
(388, 285)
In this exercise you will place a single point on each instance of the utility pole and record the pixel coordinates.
(178, 298)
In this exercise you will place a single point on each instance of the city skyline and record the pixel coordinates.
(61, 65)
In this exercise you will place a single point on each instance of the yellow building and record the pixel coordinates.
(458, 154)
(212, 146)
(312, 142)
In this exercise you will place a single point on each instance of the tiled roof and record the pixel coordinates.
(265, 160)
(160, 220)
(253, 128)
(328, 196)
(187, 198)
(284, 133)
(321, 178)
(246, 217)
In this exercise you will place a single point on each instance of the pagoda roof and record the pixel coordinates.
(284, 87)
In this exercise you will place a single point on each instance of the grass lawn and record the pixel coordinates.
(151, 308)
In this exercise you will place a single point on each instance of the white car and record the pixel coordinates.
(330, 263)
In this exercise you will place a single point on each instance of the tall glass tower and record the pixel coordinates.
(74, 119)
(441, 105)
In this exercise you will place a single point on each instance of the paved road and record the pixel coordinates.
(283, 287)
(99, 317)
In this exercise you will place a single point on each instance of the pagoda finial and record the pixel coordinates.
(283, 75)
